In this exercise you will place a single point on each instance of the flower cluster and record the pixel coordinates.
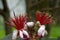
(42, 19)
(20, 23)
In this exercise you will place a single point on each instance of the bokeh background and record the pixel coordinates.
(30, 7)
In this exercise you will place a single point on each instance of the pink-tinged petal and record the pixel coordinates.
(14, 36)
(44, 33)
(25, 27)
(30, 24)
(21, 34)
(41, 30)
(26, 33)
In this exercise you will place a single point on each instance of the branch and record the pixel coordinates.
(53, 8)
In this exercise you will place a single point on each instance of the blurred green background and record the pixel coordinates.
(2, 30)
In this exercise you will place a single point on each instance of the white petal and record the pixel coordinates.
(41, 30)
(20, 33)
(42, 26)
(14, 36)
(44, 33)
(30, 24)
(26, 33)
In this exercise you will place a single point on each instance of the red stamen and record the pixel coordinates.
(43, 18)
(18, 21)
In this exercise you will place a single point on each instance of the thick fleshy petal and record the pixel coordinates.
(41, 30)
(30, 24)
(14, 36)
(21, 34)
(26, 33)
(44, 33)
